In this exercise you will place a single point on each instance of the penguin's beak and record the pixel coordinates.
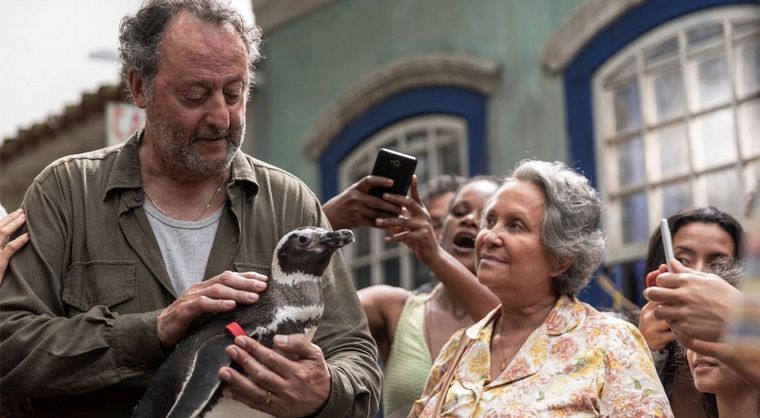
(337, 239)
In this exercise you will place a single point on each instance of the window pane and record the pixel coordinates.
(359, 169)
(448, 158)
(713, 81)
(669, 97)
(631, 165)
(416, 139)
(627, 107)
(713, 139)
(635, 217)
(362, 241)
(357, 175)
(624, 70)
(662, 51)
(363, 277)
(446, 135)
(742, 26)
(723, 192)
(672, 143)
(675, 197)
(749, 128)
(356, 170)
(392, 272)
(752, 177)
(389, 245)
(423, 167)
(390, 144)
(422, 273)
(748, 66)
(705, 33)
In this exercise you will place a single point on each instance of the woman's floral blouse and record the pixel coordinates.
(578, 363)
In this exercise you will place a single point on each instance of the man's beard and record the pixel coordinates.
(179, 152)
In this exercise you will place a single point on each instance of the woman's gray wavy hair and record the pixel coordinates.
(140, 36)
(571, 228)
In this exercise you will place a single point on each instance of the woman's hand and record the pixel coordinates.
(414, 228)
(416, 232)
(656, 332)
(694, 304)
(356, 207)
(8, 225)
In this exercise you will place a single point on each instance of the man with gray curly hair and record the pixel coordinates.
(131, 245)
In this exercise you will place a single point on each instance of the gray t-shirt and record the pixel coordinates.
(185, 245)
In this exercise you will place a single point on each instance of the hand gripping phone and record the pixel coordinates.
(396, 166)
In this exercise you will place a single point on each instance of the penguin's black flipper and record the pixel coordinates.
(175, 394)
(201, 387)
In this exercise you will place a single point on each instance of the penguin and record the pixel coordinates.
(187, 384)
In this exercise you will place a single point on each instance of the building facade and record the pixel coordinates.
(656, 101)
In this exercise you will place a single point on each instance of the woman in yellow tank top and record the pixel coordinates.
(411, 328)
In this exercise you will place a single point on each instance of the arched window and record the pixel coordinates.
(433, 106)
(645, 88)
(439, 142)
(677, 122)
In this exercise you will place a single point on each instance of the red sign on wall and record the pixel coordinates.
(122, 120)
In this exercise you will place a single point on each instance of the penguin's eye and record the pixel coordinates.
(302, 239)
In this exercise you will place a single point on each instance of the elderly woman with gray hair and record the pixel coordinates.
(542, 352)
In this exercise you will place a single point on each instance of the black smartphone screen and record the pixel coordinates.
(394, 165)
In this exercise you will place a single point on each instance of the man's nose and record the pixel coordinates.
(217, 112)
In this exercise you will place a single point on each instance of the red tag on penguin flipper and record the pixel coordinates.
(235, 329)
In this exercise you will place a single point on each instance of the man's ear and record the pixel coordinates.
(137, 89)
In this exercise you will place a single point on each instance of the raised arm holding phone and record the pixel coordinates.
(410, 327)
(415, 326)
(363, 202)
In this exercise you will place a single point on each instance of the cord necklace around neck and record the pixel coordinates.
(205, 209)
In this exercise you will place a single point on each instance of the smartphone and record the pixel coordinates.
(667, 243)
(396, 166)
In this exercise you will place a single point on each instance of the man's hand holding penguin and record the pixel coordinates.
(218, 294)
(292, 380)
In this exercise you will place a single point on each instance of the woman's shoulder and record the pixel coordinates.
(389, 299)
(448, 351)
(604, 318)
(385, 293)
(605, 326)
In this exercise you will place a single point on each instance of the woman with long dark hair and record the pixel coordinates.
(701, 237)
